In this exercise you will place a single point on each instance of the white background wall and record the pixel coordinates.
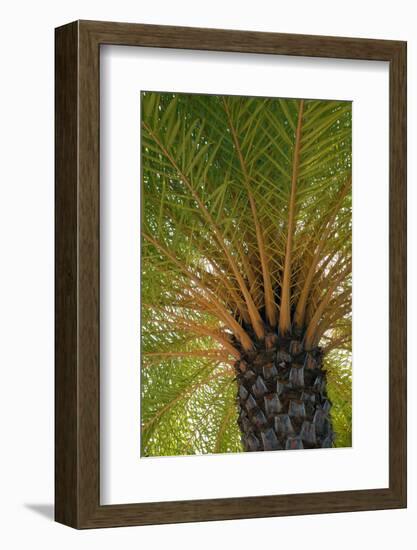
(26, 271)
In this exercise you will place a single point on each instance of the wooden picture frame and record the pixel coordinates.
(77, 382)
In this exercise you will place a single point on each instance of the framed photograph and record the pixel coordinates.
(230, 274)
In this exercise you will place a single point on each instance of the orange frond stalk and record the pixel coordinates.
(224, 315)
(312, 327)
(216, 335)
(285, 309)
(227, 287)
(339, 343)
(302, 301)
(270, 306)
(330, 322)
(253, 311)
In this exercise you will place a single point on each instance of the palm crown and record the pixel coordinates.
(246, 245)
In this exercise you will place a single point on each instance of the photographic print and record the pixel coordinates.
(246, 274)
(203, 274)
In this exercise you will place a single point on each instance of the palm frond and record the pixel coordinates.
(246, 232)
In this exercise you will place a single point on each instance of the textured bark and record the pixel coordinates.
(282, 398)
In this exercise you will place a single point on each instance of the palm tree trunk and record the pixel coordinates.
(282, 398)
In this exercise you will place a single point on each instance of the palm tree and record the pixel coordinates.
(246, 273)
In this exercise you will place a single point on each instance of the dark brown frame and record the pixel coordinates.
(77, 374)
